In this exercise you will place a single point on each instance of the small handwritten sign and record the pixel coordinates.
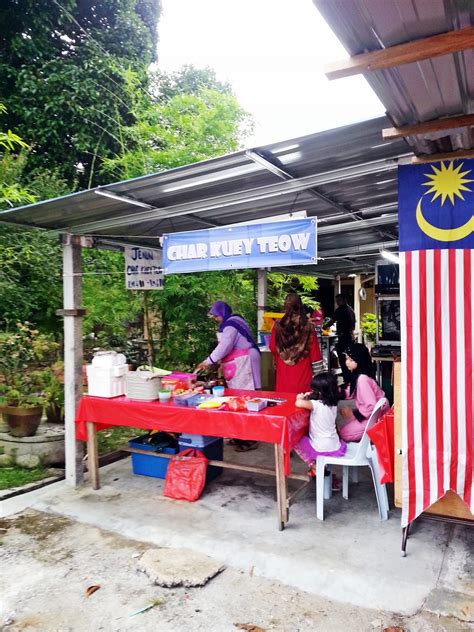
(143, 268)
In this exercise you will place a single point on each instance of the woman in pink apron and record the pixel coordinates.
(237, 353)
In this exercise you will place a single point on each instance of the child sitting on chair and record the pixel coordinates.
(323, 439)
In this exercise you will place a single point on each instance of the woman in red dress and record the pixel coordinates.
(295, 348)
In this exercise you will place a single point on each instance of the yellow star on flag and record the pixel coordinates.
(447, 182)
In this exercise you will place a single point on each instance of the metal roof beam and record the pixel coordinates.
(285, 175)
(362, 224)
(414, 51)
(239, 197)
(358, 249)
(128, 200)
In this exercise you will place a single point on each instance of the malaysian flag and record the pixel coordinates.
(436, 224)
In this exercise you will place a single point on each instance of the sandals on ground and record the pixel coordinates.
(246, 446)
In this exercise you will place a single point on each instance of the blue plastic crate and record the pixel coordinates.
(149, 465)
(157, 466)
(213, 451)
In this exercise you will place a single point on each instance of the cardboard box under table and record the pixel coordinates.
(282, 425)
(155, 465)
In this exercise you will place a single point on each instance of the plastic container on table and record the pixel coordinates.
(195, 400)
(164, 396)
(218, 391)
(255, 405)
(142, 385)
(182, 400)
(185, 380)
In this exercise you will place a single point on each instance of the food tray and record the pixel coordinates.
(194, 401)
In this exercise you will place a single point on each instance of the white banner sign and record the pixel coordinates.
(143, 268)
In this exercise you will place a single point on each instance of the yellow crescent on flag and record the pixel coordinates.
(443, 234)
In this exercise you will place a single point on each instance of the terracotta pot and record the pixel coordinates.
(22, 422)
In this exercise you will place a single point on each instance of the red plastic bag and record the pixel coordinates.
(186, 475)
(382, 436)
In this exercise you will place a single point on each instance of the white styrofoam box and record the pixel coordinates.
(103, 373)
(108, 359)
(110, 387)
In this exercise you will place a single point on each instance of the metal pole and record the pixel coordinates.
(261, 296)
(73, 356)
(357, 309)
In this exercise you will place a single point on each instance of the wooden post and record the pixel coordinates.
(261, 296)
(281, 488)
(92, 455)
(72, 288)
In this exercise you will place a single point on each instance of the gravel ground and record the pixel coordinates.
(48, 562)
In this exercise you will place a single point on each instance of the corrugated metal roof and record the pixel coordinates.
(415, 92)
(343, 176)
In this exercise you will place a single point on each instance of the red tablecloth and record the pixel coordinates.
(284, 424)
(382, 436)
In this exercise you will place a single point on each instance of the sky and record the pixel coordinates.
(273, 53)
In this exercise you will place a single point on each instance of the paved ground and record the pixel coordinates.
(48, 562)
(348, 565)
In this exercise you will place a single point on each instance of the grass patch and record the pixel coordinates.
(116, 438)
(17, 476)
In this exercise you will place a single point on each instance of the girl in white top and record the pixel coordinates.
(322, 439)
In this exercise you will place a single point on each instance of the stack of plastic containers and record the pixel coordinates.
(106, 374)
(143, 385)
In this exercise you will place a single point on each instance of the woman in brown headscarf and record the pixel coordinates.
(295, 348)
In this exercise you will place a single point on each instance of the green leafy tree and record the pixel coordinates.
(179, 131)
(188, 80)
(63, 72)
(279, 285)
(30, 263)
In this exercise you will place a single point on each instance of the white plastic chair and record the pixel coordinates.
(357, 454)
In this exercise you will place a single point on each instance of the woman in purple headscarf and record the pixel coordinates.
(236, 350)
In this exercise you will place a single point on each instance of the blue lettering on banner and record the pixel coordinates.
(292, 242)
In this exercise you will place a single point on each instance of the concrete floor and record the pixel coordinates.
(351, 557)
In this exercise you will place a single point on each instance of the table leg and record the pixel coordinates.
(92, 455)
(281, 488)
(405, 534)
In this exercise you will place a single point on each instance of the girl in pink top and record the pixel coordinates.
(363, 389)
(322, 438)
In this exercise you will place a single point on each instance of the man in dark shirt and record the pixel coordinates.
(345, 320)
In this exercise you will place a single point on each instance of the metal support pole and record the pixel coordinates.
(337, 284)
(357, 309)
(261, 296)
(72, 288)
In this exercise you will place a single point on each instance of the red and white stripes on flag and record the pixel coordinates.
(437, 305)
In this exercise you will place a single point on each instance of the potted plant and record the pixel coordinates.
(368, 325)
(22, 379)
(54, 393)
